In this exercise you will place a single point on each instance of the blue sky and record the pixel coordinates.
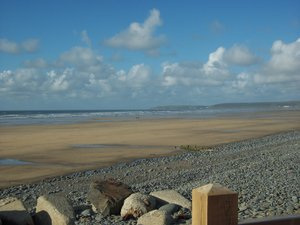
(139, 54)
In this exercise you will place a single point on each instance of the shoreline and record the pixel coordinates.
(51, 147)
(125, 160)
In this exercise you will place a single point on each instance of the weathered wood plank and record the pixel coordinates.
(213, 204)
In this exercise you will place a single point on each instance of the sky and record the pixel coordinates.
(108, 54)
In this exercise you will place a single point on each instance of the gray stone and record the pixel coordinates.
(86, 213)
(54, 209)
(107, 196)
(172, 196)
(136, 205)
(99, 217)
(295, 199)
(290, 209)
(170, 208)
(243, 207)
(12, 211)
(156, 217)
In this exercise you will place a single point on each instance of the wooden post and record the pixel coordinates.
(213, 204)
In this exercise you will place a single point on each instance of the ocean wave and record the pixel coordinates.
(71, 116)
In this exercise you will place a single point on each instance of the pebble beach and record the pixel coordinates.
(264, 171)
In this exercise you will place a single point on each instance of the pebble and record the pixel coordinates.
(86, 213)
(264, 171)
(295, 199)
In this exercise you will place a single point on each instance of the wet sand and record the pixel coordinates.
(62, 149)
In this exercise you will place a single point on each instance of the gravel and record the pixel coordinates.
(264, 171)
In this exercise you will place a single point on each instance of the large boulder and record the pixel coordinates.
(156, 217)
(172, 196)
(12, 211)
(137, 204)
(107, 196)
(54, 209)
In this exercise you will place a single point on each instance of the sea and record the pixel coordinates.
(35, 117)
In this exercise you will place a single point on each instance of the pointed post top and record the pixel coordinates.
(214, 204)
(214, 190)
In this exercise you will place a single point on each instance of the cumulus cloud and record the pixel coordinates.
(280, 74)
(284, 65)
(58, 82)
(7, 46)
(37, 82)
(211, 73)
(240, 55)
(80, 56)
(216, 64)
(83, 58)
(242, 80)
(19, 82)
(140, 36)
(77, 73)
(81, 72)
(137, 77)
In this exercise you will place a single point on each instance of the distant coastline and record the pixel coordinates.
(292, 104)
(26, 117)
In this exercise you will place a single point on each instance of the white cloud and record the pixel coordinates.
(85, 38)
(20, 82)
(137, 77)
(58, 82)
(81, 73)
(212, 73)
(284, 65)
(285, 57)
(216, 64)
(240, 55)
(80, 56)
(140, 36)
(84, 59)
(7, 46)
(7, 81)
(242, 81)
(180, 74)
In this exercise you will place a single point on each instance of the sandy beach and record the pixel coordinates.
(61, 149)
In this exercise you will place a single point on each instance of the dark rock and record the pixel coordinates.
(170, 208)
(12, 211)
(107, 196)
